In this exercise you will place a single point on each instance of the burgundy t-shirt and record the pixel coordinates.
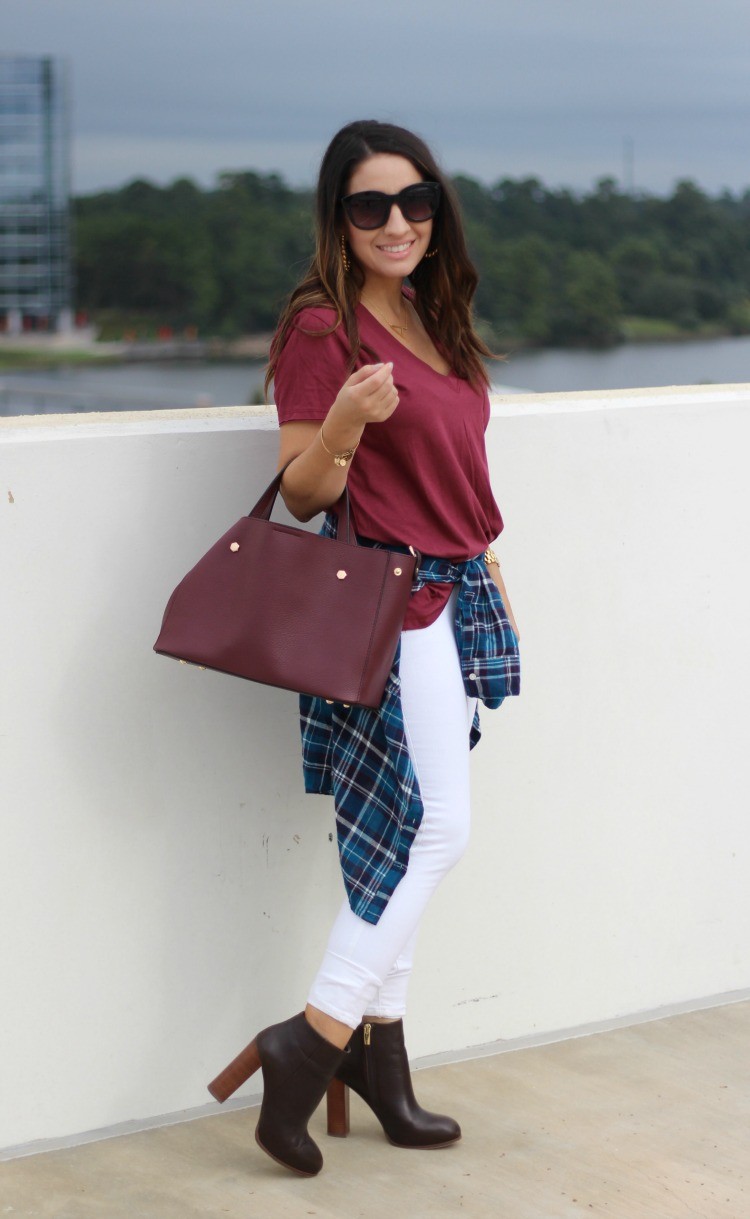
(420, 478)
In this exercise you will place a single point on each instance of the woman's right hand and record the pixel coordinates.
(367, 396)
(312, 480)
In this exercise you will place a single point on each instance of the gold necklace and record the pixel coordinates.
(400, 329)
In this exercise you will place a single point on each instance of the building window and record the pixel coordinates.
(36, 278)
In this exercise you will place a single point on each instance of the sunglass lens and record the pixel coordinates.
(367, 211)
(419, 205)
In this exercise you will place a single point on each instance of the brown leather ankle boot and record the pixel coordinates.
(377, 1069)
(297, 1065)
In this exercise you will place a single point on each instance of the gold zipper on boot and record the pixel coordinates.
(367, 1030)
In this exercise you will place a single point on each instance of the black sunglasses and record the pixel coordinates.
(370, 209)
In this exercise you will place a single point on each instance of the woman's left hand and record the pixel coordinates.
(494, 570)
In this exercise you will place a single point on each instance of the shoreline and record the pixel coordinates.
(22, 352)
(28, 351)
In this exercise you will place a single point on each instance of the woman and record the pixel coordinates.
(382, 387)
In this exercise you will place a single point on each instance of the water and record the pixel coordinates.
(711, 361)
(130, 387)
(155, 386)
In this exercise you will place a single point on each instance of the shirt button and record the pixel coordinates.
(472, 677)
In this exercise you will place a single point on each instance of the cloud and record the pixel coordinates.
(101, 162)
(163, 87)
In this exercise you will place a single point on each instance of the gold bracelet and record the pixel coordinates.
(339, 459)
(490, 556)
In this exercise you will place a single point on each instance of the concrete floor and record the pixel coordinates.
(647, 1121)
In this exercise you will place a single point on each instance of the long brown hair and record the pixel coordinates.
(444, 284)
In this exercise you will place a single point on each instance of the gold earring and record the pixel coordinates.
(344, 256)
(431, 253)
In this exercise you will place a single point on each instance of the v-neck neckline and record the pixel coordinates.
(445, 376)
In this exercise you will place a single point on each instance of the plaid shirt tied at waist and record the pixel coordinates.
(360, 755)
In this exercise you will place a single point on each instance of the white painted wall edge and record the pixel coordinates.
(469, 1054)
(504, 405)
(234, 418)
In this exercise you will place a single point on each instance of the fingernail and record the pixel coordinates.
(390, 364)
(380, 365)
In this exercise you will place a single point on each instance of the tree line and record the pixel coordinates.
(555, 267)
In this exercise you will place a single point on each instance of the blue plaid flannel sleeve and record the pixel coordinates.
(360, 755)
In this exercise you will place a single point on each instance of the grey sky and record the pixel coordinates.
(164, 88)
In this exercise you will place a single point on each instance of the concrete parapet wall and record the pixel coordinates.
(167, 887)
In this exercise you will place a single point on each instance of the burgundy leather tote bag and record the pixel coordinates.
(289, 608)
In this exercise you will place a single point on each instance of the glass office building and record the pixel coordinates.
(35, 258)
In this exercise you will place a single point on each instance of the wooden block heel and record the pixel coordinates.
(240, 1069)
(337, 1104)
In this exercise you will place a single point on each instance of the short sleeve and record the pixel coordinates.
(311, 368)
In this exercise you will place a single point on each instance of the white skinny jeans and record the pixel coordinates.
(366, 967)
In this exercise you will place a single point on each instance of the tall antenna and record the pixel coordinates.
(628, 164)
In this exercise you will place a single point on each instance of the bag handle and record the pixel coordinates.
(264, 506)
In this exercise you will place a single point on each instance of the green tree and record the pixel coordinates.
(634, 260)
(591, 306)
(554, 266)
(146, 265)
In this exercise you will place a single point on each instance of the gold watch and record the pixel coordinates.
(490, 556)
